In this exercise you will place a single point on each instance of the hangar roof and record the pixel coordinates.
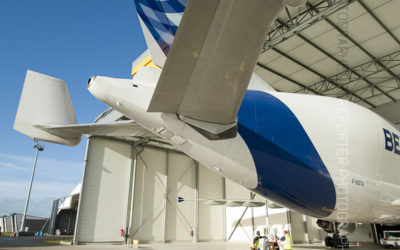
(341, 48)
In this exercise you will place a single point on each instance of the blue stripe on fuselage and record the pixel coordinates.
(289, 168)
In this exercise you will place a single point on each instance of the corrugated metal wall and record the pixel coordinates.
(211, 218)
(298, 227)
(160, 173)
(181, 183)
(149, 201)
(158, 169)
(315, 233)
(8, 223)
(3, 229)
(104, 199)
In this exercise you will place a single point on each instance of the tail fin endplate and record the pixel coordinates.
(45, 100)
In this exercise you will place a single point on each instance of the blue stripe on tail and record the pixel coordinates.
(162, 18)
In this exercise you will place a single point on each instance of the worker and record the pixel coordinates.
(271, 239)
(264, 242)
(287, 241)
(276, 243)
(256, 241)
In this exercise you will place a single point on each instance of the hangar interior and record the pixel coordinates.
(346, 49)
(63, 213)
(343, 49)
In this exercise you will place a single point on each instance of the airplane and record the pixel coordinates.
(320, 156)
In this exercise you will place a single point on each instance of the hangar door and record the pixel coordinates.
(104, 196)
(211, 218)
(114, 182)
(161, 177)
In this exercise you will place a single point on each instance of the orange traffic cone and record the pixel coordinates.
(358, 244)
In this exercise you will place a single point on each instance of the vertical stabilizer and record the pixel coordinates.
(160, 20)
(45, 100)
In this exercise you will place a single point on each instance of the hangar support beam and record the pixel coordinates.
(379, 21)
(252, 196)
(342, 32)
(306, 234)
(305, 88)
(196, 200)
(289, 221)
(360, 72)
(302, 20)
(361, 83)
(324, 78)
(349, 75)
(132, 184)
(345, 66)
(166, 197)
(85, 162)
(392, 60)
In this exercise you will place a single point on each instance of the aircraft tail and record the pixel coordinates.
(160, 20)
(45, 100)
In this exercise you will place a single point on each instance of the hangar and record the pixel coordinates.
(12, 223)
(131, 184)
(131, 188)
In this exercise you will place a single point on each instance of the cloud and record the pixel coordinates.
(16, 157)
(13, 166)
(42, 196)
(53, 179)
(46, 168)
(42, 161)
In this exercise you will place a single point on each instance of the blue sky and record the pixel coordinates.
(71, 40)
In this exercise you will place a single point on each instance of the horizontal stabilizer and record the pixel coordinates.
(212, 58)
(232, 203)
(45, 113)
(118, 128)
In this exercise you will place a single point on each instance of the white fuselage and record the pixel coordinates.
(348, 138)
